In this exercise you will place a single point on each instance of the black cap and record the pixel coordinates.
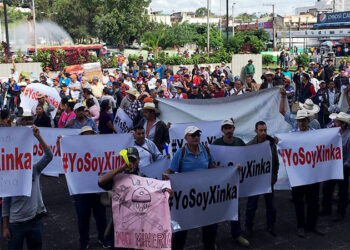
(132, 152)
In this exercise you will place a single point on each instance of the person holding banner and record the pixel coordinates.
(228, 128)
(192, 157)
(342, 121)
(22, 215)
(308, 192)
(252, 205)
(309, 106)
(81, 120)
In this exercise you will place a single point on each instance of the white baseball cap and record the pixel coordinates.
(191, 130)
(230, 122)
(78, 105)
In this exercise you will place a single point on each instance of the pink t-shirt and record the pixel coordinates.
(64, 118)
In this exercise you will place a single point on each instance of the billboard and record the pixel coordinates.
(337, 17)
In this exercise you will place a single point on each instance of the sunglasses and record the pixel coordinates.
(197, 134)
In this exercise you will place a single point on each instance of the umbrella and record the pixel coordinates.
(330, 44)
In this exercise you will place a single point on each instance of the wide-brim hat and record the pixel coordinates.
(133, 92)
(86, 129)
(302, 114)
(216, 82)
(149, 106)
(179, 85)
(309, 106)
(340, 117)
(269, 73)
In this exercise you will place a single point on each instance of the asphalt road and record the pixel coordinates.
(60, 226)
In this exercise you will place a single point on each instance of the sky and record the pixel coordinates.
(282, 7)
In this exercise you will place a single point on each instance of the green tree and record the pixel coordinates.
(202, 12)
(245, 17)
(121, 21)
(152, 40)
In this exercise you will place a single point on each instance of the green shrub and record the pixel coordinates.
(267, 59)
(303, 59)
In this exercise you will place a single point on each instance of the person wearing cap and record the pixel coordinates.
(56, 84)
(306, 88)
(309, 106)
(342, 121)
(329, 70)
(195, 93)
(194, 156)
(168, 70)
(249, 69)
(179, 91)
(22, 215)
(228, 139)
(309, 193)
(289, 91)
(155, 129)
(132, 96)
(252, 204)
(218, 92)
(48, 73)
(96, 87)
(147, 149)
(269, 81)
(81, 120)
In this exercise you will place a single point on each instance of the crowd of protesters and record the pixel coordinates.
(91, 106)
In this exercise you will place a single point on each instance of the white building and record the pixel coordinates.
(325, 6)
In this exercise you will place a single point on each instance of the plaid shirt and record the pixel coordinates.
(133, 109)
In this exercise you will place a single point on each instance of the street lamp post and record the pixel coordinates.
(208, 27)
(233, 19)
(34, 28)
(273, 23)
(6, 27)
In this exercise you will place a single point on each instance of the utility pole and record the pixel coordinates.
(208, 27)
(307, 28)
(333, 6)
(233, 19)
(220, 20)
(290, 36)
(6, 27)
(273, 23)
(34, 28)
(227, 20)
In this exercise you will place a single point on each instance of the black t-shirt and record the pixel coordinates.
(192, 96)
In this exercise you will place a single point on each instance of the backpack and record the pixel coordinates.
(183, 152)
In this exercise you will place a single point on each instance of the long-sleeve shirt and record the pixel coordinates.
(23, 208)
(346, 147)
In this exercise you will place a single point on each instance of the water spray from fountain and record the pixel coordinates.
(48, 33)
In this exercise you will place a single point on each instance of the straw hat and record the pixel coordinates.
(340, 117)
(269, 73)
(309, 106)
(301, 114)
(133, 91)
(86, 129)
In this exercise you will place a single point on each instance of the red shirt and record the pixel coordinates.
(218, 94)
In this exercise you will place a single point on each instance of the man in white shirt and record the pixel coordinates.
(75, 87)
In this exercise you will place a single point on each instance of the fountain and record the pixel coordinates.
(48, 33)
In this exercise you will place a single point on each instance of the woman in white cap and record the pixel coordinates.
(342, 121)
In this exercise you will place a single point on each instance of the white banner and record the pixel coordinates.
(86, 157)
(50, 137)
(246, 109)
(210, 131)
(204, 197)
(29, 97)
(343, 103)
(255, 178)
(122, 122)
(16, 169)
(156, 169)
(313, 156)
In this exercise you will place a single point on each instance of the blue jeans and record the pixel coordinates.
(84, 203)
(31, 230)
(252, 206)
